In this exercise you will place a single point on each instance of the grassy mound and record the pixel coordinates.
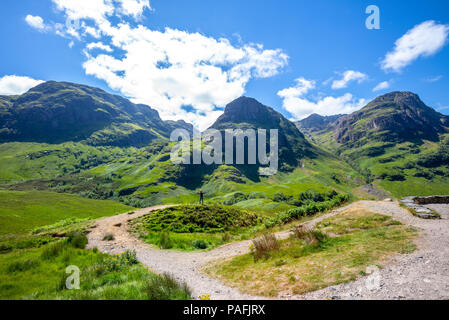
(195, 227)
(199, 219)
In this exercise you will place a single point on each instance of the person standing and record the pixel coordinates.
(201, 197)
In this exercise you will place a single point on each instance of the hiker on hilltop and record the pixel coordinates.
(201, 197)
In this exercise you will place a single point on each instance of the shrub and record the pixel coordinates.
(235, 198)
(262, 246)
(200, 244)
(165, 287)
(77, 240)
(309, 209)
(310, 236)
(108, 237)
(4, 248)
(280, 197)
(226, 237)
(257, 195)
(53, 250)
(165, 241)
(130, 257)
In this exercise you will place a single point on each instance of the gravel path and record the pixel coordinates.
(421, 275)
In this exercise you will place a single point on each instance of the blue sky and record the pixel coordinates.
(291, 55)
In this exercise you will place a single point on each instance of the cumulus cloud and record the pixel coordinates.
(382, 86)
(37, 23)
(424, 40)
(100, 10)
(14, 85)
(133, 8)
(173, 69)
(300, 107)
(348, 77)
(181, 74)
(99, 45)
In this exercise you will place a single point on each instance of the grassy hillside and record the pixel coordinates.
(40, 274)
(21, 212)
(396, 142)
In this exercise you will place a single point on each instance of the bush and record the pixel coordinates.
(108, 237)
(200, 244)
(306, 210)
(226, 237)
(280, 197)
(257, 195)
(310, 236)
(115, 263)
(53, 250)
(165, 287)
(5, 248)
(77, 240)
(235, 198)
(165, 241)
(262, 246)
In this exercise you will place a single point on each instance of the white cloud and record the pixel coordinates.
(100, 10)
(382, 86)
(424, 40)
(133, 8)
(301, 107)
(99, 45)
(302, 87)
(37, 23)
(14, 85)
(172, 69)
(348, 77)
(183, 75)
(96, 10)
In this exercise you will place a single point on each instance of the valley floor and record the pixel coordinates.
(424, 274)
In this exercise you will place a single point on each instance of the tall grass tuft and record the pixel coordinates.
(309, 236)
(165, 287)
(165, 242)
(262, 246)
(77, 239)
(21, 266)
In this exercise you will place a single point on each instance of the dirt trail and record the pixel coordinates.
(430, 263)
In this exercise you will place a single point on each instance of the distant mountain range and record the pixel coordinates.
(56, 112)
(79, 139)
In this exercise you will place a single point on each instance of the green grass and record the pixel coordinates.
(195, 227)
(22, 212)
(264, 206)
(41, 274)
(355, 239)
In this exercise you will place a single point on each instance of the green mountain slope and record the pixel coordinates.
(144, 175)
(56, 112)
(395, 140)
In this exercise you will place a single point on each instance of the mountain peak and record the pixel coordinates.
(55, 112)
(395, 116)
(400, 98)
